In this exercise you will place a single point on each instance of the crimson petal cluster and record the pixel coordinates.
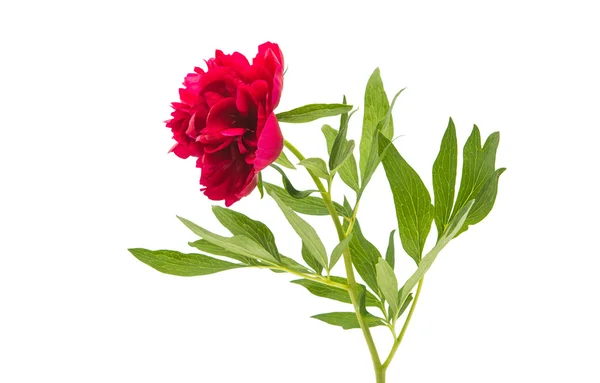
(225, 119)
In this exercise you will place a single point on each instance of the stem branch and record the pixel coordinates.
(352, 285)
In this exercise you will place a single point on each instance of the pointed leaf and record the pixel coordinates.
(293, 265)
(312, 112)
(444, 178)
(307, 233)
(405, 305)
(185, 265)
(208, 247)
(330, 292)
(386, 279)
(390, 255)
(364, 257)
(310, 205)
(317, 166)
(339, 250)
(376, 154)
(411, 199)
(455, 224)
(478, 166)
(348, 320)
(237, 244)
(298, 194)
(376, 107)
(284, 161)
(259, 185)
(347, 170)
(239, 224)
(484, 202)
(310, 260)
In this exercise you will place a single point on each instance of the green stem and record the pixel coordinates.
(406, 323)
(352, 285)
(318, 279)
(380, 375)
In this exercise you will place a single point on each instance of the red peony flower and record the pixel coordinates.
(225, 118)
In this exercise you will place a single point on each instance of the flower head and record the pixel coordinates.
(225, 119)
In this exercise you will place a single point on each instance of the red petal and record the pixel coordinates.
(232, 132)
(270, 144)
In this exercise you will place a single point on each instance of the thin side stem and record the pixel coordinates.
(406, 323)
(318, 279)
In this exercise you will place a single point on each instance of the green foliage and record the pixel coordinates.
(364, 257)
(390, 255)
(484, 202)
(455, 224)
(374, 154)
(348, 320)
(239, 224)
(375, 109)
(298, 194)
(411, 199)
(317, 166)
(444, 178)
(338, 250)
(405, 305)
(284, 161)
(208, 247)
(386, 279)
(260, 186)
(310, 260)
(310, 205)
(238, 244)
(330, 292)
(312, 112)
(185, 265)
(347, 170)
(478, 167)
(307, 233)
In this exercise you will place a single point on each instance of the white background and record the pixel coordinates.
(84, 173)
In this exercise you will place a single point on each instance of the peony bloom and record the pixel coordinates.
(225, 118)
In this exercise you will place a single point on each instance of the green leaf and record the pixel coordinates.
(478, 167)
(405, 305)
(411, 199)
(390, 255)
(298, 194)
(185, 265)
(364, 257)
(386, 279)
(484, 202)
(293, 265)
(444, 178)
(310, 260)
(338, 250)
(284, 161)
(455, 225)
(376, 108)
(375, 154)
(312, 112)
(347, 170)
(330, 292)
(309, 205)
(208, 247)
(348, 320)
(237, 244)
(239, 224)
(309, 236)
(317, 166)
(261, 189)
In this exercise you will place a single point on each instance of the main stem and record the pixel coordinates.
(353, 286)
